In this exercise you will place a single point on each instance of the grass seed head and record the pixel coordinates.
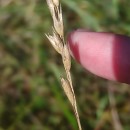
(58, 21)
(55, 41)
(56, 2)
(66, 58)
(67, 89)
(56, 13)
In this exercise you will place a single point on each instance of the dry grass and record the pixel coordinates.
(58, 42)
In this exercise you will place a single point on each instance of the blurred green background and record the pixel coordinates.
(31, 97)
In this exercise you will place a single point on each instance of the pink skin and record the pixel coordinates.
(104, 54)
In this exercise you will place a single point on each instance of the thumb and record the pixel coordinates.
(104, 54)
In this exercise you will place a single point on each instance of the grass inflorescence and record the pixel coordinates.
(58, 42)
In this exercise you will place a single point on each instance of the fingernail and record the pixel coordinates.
(73, 44)
(70, 42)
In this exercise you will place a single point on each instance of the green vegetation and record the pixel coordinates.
(31, 97)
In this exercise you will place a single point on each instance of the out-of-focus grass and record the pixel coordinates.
(31, 97)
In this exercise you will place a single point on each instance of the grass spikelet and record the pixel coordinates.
(67, 90)
(59, 44)
(66, 58)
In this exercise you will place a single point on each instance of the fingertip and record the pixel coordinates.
(73, 45)
(103, 54)
(78, 39)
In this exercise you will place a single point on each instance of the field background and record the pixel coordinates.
(31, 97)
